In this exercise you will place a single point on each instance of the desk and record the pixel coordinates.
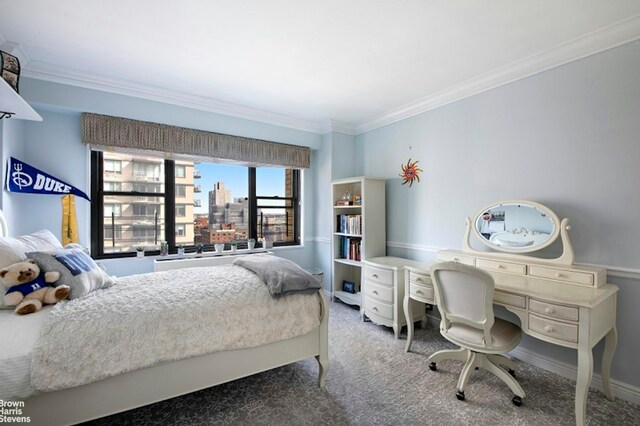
(559, 313)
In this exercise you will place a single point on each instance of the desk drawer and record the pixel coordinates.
(561, 275)
(556, 329)
(422, 292)
(381, 309)
(498, 266)
(381, 292)
(553, 310)
(378, 275)
(509, 299)
(460, 258)
(420, 279)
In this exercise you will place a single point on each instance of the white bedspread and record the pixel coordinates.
(149, 319)
(18, 336)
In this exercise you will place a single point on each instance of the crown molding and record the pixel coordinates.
(48, 72)
(605, 38)
(338, 127)
(16, 50)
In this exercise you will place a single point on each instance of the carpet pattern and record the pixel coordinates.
(372, 381)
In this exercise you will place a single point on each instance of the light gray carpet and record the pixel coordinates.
(372, 381)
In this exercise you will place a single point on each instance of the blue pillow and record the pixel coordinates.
(77, 270)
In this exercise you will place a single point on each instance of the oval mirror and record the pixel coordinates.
(517, 226)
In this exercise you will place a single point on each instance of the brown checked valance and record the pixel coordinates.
(107, 133)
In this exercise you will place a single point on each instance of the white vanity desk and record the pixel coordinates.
(556, 302)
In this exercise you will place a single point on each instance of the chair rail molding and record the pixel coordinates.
(605, 38)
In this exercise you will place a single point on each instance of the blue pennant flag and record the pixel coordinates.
(22, 177)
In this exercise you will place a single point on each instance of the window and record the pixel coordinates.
(232, 203)
(113, 186)
(113, 166)
(112, 210)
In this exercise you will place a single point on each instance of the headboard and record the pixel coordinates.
(4, 229)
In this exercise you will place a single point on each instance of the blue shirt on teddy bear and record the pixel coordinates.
(29, 287)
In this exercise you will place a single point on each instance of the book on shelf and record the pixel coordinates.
(350, 248)
(344, 203)
(349, 224)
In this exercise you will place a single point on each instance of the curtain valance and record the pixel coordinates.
(104, 132)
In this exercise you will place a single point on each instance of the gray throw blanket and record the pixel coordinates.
(282, 276)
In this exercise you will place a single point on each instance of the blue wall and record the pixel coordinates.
(567, 138)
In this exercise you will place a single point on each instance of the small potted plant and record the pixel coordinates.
(140, 251)
(199, 248)
(251, 243)
(181, 249)
(219, 247)
(234, 245)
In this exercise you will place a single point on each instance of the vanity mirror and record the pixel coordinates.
(519, 226)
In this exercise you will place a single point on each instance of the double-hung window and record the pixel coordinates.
(152, 199)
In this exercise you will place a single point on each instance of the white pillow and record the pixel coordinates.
(14, 249)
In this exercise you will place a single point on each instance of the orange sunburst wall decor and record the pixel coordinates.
(410, 172)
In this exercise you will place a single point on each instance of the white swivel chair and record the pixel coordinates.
(464, 295)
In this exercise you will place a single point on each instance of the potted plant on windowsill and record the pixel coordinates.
(234, 245)
(139, 251)
(251, 243)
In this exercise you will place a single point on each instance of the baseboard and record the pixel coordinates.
(620, 389)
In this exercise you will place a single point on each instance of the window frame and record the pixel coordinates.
(97, 208)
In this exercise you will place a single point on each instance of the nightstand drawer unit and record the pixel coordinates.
(379, 292)
(383, 288)
(378, 275)
(383, 310)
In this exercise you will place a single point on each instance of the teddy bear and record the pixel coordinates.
(28, 288)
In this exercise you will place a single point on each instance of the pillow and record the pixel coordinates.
(77, 270)
(14, 249)
(282, 276)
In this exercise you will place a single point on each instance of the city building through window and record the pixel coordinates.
(204, 203)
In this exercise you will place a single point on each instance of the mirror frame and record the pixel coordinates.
(529, 249)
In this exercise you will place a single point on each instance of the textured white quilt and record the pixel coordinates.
(149, 319)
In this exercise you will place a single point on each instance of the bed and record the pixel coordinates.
(161, 378)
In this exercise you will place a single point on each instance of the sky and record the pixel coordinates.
(270, 181)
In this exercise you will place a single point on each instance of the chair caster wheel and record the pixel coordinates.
(513, 373)
(432, 366)
(460, 395)
(517, 401)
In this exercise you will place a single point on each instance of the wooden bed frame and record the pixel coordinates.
(148, 385)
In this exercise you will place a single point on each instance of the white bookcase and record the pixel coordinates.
(367, 230)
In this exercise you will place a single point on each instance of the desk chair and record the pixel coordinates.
(464, 295)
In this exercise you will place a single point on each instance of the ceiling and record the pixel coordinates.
(355, 64)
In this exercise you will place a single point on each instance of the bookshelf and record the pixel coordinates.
(359, 232)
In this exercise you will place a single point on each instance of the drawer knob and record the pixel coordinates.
(375, 275)
(548, 329)
(559, 275)
(456, 259)
(419, 292)
(500, 266)
(550, 310)
(375, 292)
(419, 279)
(374, 309)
